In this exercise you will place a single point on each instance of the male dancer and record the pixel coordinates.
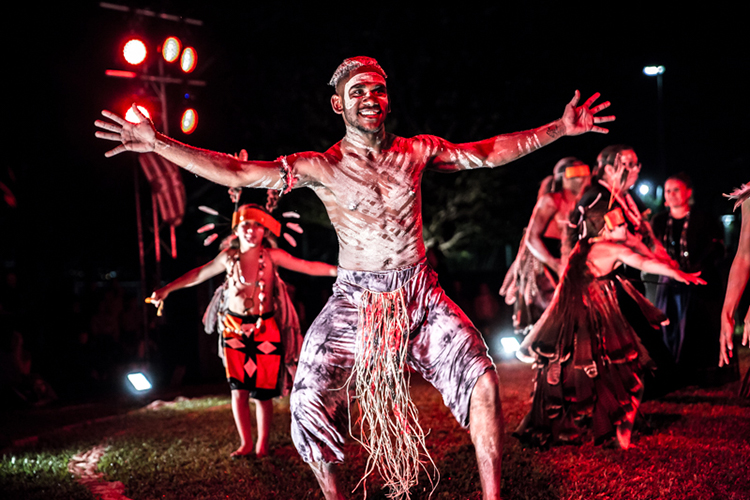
(369, 183)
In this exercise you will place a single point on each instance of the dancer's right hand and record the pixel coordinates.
(726, 344)
(689, 278)
(138, 137)
(157, 297)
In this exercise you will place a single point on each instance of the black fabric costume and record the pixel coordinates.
(595, 204)
(590, 360)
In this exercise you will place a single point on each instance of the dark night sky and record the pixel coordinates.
(461, 74)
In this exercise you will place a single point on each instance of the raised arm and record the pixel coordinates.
(191, 278)
(288, 261)
(505, 148)
(221, 168)
(544, 210)
(738, 277)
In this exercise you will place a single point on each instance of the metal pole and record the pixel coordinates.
(142, 260)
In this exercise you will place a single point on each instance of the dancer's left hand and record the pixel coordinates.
(581, 119)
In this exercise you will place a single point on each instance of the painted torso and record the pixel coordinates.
(244, 284)
(374, 199)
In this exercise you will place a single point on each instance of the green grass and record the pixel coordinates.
(694, 444)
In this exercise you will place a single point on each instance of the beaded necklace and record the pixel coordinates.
(259, 284)
(683, 254)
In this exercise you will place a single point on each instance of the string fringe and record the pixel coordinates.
(389, 430)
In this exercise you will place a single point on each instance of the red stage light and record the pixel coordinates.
(120, 73)
(171, 49)
(189, 121)
(189, 59)
(133, 118)
(134, 51)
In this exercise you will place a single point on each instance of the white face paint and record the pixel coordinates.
(361, 78)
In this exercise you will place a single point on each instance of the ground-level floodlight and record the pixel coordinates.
(139, 381)
(510, 344)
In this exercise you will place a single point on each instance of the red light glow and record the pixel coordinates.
(133, 118)
(189, 121)
(134, 51)
(189, 59)
(171, 49)
(120, 73)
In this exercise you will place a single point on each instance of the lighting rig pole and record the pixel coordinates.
(135, 53)
(658, 72)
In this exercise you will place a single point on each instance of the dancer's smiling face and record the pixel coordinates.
(250, 232)
(362, 100)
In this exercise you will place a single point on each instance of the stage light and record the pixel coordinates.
(727, 220)
(644, 188)
(653, 70)
(118, 73)
(134, 51)
(510, 344)
(133, 118)
(189, 121)
(139, 381)
(171, 49)
(188, 60)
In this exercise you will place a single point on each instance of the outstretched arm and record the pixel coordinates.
(655, 266)
(738, 277)
(191, 278)
(221, 168)
(288, 261)
(544, 210)
(505, 148)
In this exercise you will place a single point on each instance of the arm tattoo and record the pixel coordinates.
(555, 130)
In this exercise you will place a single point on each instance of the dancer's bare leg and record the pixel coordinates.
(263, 417)
(327, 478)
(625, 429)
(241, 412)
(487, 432)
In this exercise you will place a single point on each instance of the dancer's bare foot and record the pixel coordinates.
(261, 449)
(243, 452)
(623, 437)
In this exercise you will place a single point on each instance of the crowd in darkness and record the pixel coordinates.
(69, 350)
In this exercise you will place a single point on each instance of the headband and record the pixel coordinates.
(577, 171)
(257, 215)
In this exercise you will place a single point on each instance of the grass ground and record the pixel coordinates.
(693, 444)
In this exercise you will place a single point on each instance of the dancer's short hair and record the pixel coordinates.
(353, 63)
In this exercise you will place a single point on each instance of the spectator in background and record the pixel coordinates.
(693, 239)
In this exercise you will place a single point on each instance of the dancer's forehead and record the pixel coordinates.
(362, 76)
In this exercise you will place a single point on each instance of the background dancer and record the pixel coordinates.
(369, 183)
(617, 171)
(259, 353)
(738, 277)
(534, 274)
(590, 360)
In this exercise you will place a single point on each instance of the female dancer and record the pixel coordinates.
(259, 357)
(589, 359)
